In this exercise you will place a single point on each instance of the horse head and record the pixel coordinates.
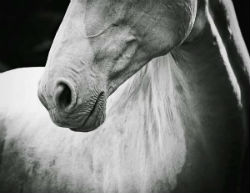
(99, 45)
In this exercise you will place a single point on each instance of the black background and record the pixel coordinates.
(27, 28)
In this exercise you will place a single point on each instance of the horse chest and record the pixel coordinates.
(104, 162)
(139, 148)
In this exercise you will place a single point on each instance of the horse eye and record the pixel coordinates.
(115, 25)
(131, 40)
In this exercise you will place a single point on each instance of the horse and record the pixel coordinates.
(136, 97)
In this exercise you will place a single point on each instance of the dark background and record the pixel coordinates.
(27, 28)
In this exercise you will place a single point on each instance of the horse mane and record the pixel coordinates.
(143, 135)
(144, 126)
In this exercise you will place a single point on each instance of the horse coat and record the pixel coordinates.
(177, 125)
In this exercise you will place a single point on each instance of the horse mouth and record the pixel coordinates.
(96, 116)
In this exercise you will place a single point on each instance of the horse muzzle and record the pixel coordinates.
(68, 109)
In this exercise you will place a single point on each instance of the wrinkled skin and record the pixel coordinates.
(99, 45)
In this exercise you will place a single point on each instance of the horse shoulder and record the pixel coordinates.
(31, 146)
(17, 85)
(18, 105)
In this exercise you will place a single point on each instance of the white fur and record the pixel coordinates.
(140, 147)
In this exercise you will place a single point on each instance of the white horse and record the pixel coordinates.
(175, 123)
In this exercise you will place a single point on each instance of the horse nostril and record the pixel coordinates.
(63, 96)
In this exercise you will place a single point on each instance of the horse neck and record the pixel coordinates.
(221, 17)
(224, 16)
(211, 64)
(217, 79)
(210, 60)
(149, 115)
(148, 103)
(226, 22)
(143, 132)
